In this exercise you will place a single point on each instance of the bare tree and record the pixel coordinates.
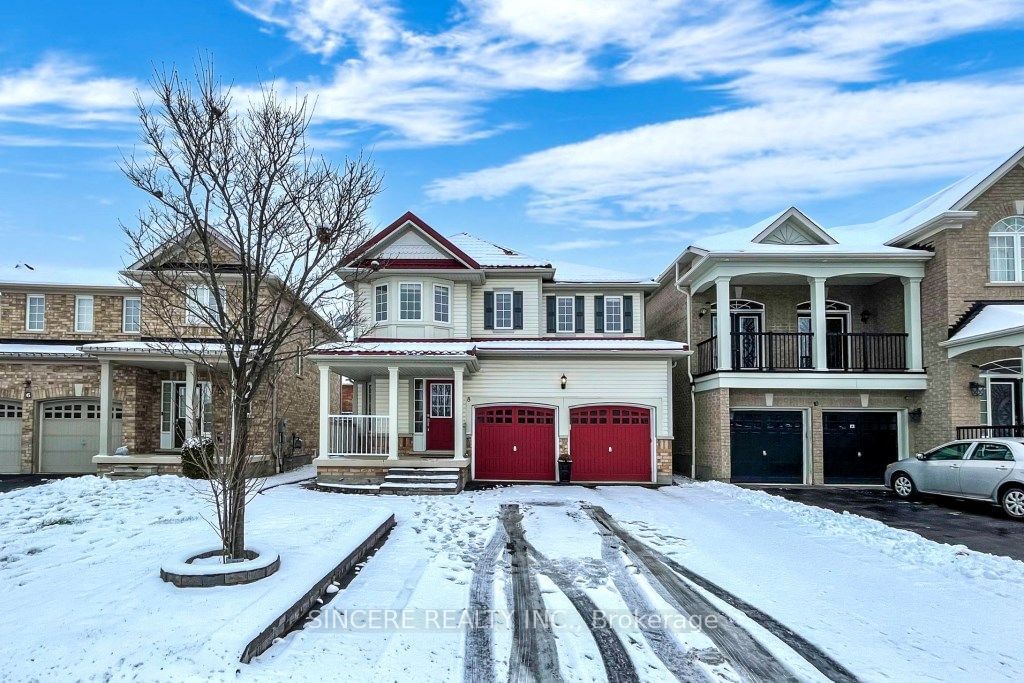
(250, 225)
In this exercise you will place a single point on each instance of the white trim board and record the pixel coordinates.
(772, 381)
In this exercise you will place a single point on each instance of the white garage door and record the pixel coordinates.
(10, 437)
(70, 435)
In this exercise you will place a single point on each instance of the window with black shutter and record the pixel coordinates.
(598, 313)
(627, 314)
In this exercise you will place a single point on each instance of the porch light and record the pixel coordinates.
(865, 316)
(703, 311)
(28, 388)
(977, 389)
(564, 380)
(915, 415)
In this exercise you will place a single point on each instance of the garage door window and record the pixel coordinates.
(10, 409)
(77, 411)
(535, 417)
(495, 416)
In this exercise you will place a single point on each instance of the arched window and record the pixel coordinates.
(1005, 255)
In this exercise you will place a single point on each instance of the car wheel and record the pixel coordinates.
(1013, 502)
(903, 485)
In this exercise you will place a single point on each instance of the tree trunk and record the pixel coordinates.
(237, 469)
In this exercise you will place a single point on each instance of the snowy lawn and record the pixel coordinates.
(82, 598)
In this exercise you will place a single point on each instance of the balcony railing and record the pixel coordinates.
(990, 431)
(358, 435)
(792, 351)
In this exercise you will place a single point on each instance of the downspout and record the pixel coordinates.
(276, 449)
(689, 377)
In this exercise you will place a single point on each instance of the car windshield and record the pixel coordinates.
(951, 451)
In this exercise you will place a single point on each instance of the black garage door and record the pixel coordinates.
(858, 446)
(767, 446)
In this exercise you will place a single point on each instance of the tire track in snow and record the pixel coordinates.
(534, 653)
(618, 666)
(663, 643)
(765, 666)
(479, 657)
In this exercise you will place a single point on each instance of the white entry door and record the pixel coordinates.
(172, 412)
(10, 437)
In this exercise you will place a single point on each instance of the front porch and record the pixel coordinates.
(408, 421)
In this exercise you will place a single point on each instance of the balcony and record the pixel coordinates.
(793, 351)
(990, 432)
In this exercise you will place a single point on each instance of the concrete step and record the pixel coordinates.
(426, 477)
(132, 471)
(350, 488)
(423, 470)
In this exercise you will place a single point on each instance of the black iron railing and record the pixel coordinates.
(790, 351)
(989, 431)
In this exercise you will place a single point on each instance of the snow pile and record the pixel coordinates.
(905, 546)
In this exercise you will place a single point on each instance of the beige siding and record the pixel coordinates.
(380, 401)
(639, 382)
(425, 328)
(530, 287)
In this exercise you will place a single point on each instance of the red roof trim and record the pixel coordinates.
(420, 263)
(410, 217)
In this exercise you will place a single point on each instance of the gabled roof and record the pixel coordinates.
(793, 226)
(160, 253)
(947, 206)
(408, 220)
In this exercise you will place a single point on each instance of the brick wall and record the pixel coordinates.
(713, 439)
(666, 319)
(60, 316)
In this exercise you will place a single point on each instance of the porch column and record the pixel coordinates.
(723, 323)
(325, 412)
(457, 405)
(912, 321)
(106, 405)
(190, 399)
(819, 346)
(392, 413)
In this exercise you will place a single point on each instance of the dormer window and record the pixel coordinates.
(1005, 255)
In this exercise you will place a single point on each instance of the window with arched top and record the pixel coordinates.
(1005, 254)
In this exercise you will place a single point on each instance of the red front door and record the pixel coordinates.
(440, 426)
(514, 443)
(610, 443)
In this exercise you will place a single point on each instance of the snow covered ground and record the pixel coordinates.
(81, 597)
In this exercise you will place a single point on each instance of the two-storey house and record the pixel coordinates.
(847, 348)
(87, 370)
(497, 362)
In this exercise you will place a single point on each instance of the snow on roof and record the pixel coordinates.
(575, 272)
(410, 348)
(155, 347)
(490, 255)
(993, 319)
(45, 274)
(472, 347)
(52, 350)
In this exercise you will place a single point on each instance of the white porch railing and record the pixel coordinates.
(358, 435)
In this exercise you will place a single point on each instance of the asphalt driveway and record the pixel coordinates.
(976, 525)
(10, 482)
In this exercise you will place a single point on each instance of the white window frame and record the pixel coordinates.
(80, 299)
(607, 326)
(572, 314)
(298, 365)
(511, 309)
(447, 319)
(380, 313)
(28, 313)
(1011, 227)
(419, 288)
(124, 314)
(194, 318)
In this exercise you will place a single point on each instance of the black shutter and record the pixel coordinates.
(581, 323)
(552, 316)
(488, 310)
(517, 310)
(627, 314)
(598, 313)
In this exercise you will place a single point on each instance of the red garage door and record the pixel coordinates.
(610, 443)
(514, 443)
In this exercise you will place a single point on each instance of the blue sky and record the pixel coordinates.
(601, 132)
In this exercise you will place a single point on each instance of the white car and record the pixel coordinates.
(979, 469)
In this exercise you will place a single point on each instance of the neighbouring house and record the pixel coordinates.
(493, 364)
(821, 354)
(88, 368)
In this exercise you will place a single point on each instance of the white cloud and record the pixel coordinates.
(819, 145)
(61, 92)
(575, 245)
(435, 88)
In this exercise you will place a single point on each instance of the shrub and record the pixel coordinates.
(196, 457)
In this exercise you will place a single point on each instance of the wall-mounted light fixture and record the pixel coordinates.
(703, 311)
(915, 415)
(865, 316)
(977, 389)
(564, 380)
(28, 389)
